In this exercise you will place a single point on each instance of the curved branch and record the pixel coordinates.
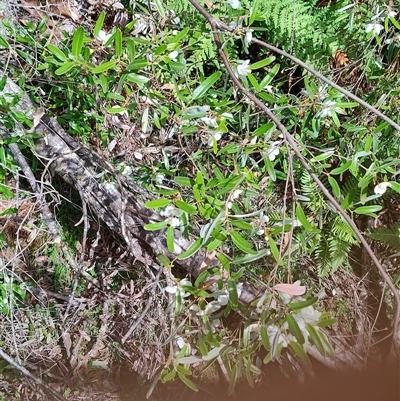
(215, 24)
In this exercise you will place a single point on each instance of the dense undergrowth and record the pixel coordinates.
(151, 95)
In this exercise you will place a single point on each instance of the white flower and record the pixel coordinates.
(239, 287)
(210, 121)
(233, 3)
(127, 171)
(274, 150)
(174, 222)
(180, 342)
(173, 55)
(260, 231)
(171, 211)
(159, 178)
(374, 27)
(173, 289)
(248, 37)
(223, 299)
(327, 108)
(215, 323)
(103, 36)
(236, 193)
(264, 218)
(392, 13)
(216, 136)
(110, 187)
(380, 189)
(243, 68)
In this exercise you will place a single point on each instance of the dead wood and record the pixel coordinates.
(112, 197)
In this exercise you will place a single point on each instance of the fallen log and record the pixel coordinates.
(120, 205)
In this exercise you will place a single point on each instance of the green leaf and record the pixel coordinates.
(115, 109)
(77, 41)
(248, 258)
(169, 376)
(249, 376)
(192, 249)
(274, 249)
(184, 181)
(57, 52)
(299, 351)
(162, 202)
(253, 11)
(327, 322)
(201, 90)
(4, 43)
(164, 260)
(189, 360)
(334, 185)
(303, 219)
(99, 23)
(161, 11)
(303, 304)
(155, 226)
(262, 129)
(137, 64)
(323, 156)
(265, 338)
(368, 210)
(326, 344)
(186, 207)
(171, 239)
(183, 370)
(118, 42)
(136, 78)
(10, 210)
(316, 339)
(295, 329)
(270, 76)
(65, 68)
(188, 382)
(3, 81)
(103, 67)
(232, 379)
(6, 191)
(270, 168)
(395, 186)
(233, 294)
(244, 225)
(241, 243)
(262, 63)
(252, 79)
(344, 167)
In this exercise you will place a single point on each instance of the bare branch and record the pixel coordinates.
(215, 24)
(29, 375)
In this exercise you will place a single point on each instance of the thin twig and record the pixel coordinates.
(215, 24)
(47, 215)
(28, 374)
(145, 310)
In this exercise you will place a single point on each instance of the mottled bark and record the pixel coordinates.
(121, 207)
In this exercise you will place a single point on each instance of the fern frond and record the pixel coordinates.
(331, 254)
(389, 236)
(343, 231)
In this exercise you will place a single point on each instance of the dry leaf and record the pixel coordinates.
(291, 289)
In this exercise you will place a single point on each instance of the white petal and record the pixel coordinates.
(380, 189)
(171, 289)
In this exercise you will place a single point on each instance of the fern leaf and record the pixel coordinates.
(389, 236)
